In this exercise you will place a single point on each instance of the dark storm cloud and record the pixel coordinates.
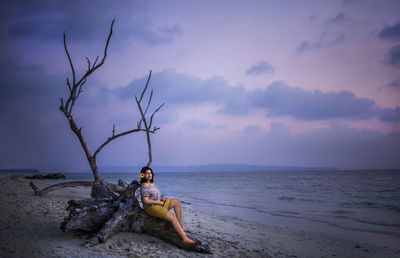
(28, 102)
(261, 67)
(177, 89)
(84, 21)
(32, 125)
(323, 42)
(280, 100)
(22, 83)
(391, 32)
(393, 56)
(26, 83)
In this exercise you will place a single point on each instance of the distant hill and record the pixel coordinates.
(19, 171)
(214, 168)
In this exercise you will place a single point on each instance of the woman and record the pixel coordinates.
(157, 206)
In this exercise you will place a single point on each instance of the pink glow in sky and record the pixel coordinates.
(293, 83)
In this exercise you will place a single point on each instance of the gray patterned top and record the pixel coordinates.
(152, 192)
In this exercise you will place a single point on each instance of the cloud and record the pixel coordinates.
(84, 21)
(27, 83)
(280, 99)
(391, 32)
(194, 124)
(261, 67)
(338, 145)
(34, 128)
(341, 144)
(179, 89)
(252, 129)
(323, 42)
(389, 114)
(339, 19)
(312, 18)
(393, 56)
(395, 84)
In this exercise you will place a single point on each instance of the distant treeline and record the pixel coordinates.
(214, 168)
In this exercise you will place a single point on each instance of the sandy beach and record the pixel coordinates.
(29, 227)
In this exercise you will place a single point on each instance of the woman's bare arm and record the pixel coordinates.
(146, 200)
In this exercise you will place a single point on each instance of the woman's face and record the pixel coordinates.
(148, 175)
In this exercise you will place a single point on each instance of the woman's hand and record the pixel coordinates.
(161, 203)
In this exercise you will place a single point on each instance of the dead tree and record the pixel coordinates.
(113, 207)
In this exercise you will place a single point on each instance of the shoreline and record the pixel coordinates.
(377, 238)
(30, 228)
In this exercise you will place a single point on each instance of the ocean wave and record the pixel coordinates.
(290, 212)
(371, 222)
(387, 191)
(342, 212)
(340, 217)
(375, 205)
(286, 198)
(393, 208)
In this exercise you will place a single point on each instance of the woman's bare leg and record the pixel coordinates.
(172, 218)
(176, 204)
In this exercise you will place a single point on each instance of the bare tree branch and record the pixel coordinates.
(144, 120)
(95, 61)
(119, 135)
(69, 59)
(75, 90)
(144, 90)
(88, 61)
(69, 85)
(74, 94)
(148, 104)
(151, 118)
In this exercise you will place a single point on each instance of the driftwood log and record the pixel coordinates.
(105, 216)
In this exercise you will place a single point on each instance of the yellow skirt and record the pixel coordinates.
(158, 210)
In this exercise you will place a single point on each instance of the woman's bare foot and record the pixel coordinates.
(188, 241)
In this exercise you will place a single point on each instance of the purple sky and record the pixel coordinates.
(292, 83)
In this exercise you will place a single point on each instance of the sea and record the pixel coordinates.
(358, 205)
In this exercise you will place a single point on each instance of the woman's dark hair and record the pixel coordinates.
(144, 169)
